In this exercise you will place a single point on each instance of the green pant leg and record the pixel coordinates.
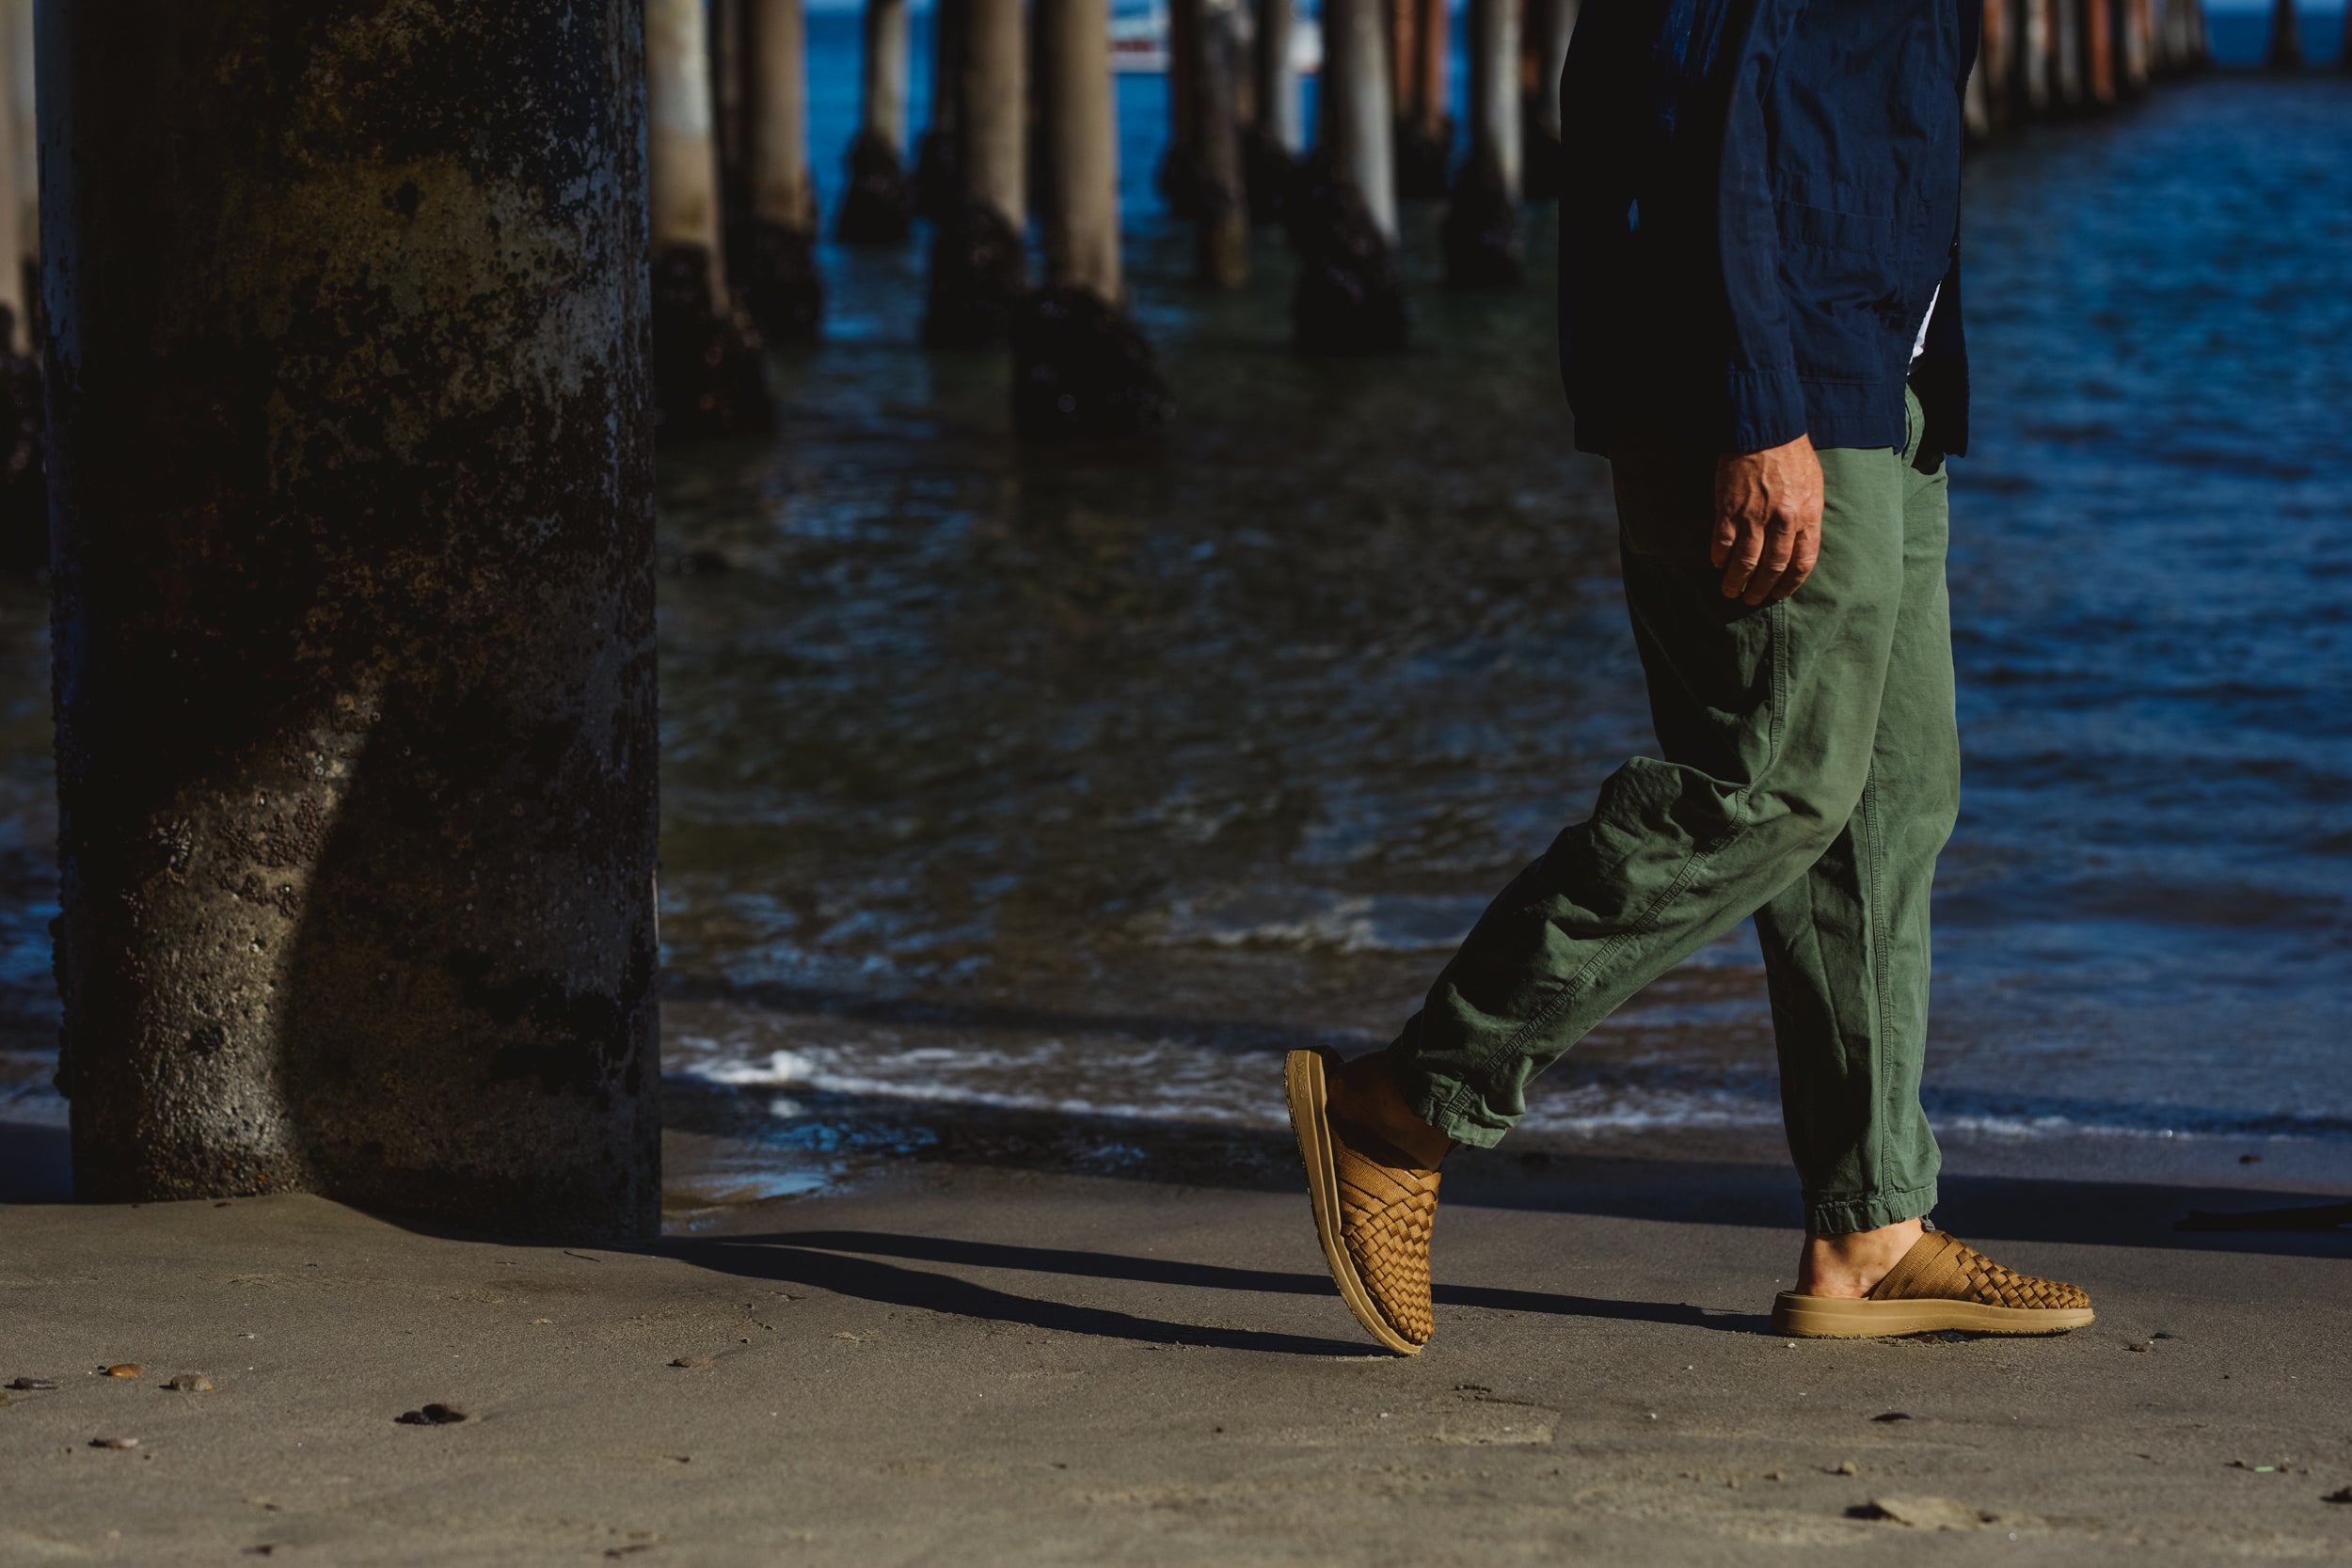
(1845, 944)
(1765, 717)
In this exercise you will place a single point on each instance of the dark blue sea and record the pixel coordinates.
(1047, 795)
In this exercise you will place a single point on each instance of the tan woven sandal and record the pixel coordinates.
(1941, 1283)
(1373, 1210)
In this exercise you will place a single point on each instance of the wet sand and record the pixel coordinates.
(996, 1365)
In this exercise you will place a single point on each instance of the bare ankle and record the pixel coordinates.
(1851, 1264)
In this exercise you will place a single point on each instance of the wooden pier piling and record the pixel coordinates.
(1482, 222)
(978, 262)
(878, 206)
(706, 362)
(1081, 366)
(354, 612)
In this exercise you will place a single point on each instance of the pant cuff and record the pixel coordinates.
(1451, 1106)
(1827, 1215)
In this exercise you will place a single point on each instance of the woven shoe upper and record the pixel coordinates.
(1940, 1267)
(1387, 1207)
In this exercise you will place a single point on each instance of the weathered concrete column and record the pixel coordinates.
(787, 298)
(2285, 52)
(1081, 366)
(1350, 296)
(1220, 205)
(705, 359)
(1424, 131)
(354, 605)
(879, 208)
(1482, 223)
(1271, 142)
(1547, 27)
(977, 266)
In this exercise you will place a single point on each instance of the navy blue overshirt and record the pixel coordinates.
(1760, 199)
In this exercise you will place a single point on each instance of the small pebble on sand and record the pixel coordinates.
(190, 1383)
(431, 1415)
(693, 1363)
(114, 1442)
(124, 1369)
(1847, 1467)
(23, 1384)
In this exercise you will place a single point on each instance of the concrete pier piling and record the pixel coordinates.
(1350, 296)
(706, 356)
(1081, 365)
(354, 629)
(1482, 221)
(1272, 139)
(977, 268)
(785, 294)
(878, 206)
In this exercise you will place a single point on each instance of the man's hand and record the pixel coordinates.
(1768, 520)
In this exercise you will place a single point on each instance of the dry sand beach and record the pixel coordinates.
(1010, 1366)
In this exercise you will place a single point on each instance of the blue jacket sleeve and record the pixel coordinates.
(1765, 400)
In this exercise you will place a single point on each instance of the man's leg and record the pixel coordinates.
(1846, 943)
(1765, 717)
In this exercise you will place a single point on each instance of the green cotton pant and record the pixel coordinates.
(1809, 774)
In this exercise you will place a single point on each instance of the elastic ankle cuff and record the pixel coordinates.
(1826, 1215)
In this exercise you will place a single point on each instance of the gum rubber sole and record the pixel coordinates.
(1303, 1087)
(1839, 1318)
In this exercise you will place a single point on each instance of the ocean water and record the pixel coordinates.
(1026, 804)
